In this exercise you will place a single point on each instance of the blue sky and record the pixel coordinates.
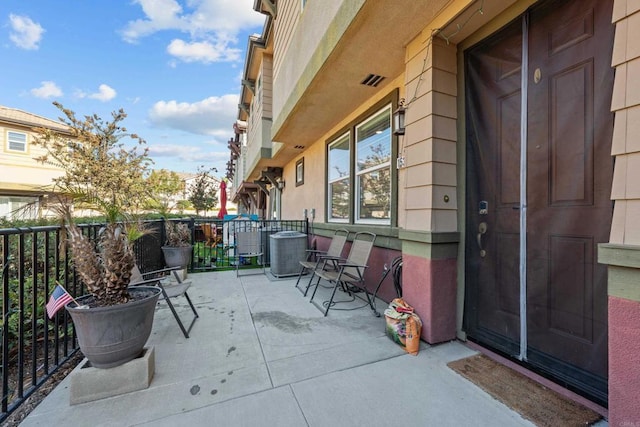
(174, 66)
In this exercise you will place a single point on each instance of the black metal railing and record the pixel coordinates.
(33, 260)
(33, 346)
(213, 240)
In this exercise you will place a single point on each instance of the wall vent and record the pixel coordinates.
(299, 147)
(372, 80)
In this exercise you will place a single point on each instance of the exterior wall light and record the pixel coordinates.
(398, 118)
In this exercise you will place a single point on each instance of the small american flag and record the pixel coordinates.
(58, 299)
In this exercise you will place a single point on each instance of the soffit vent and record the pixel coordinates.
(372, 80)
(299, 147)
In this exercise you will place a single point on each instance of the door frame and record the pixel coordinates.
(495, 25)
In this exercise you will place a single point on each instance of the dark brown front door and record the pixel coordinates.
(534, 220)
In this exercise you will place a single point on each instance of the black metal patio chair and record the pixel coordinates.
(169, 291)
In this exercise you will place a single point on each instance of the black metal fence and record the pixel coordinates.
(34, 259)
(214, 240)
(33, 346)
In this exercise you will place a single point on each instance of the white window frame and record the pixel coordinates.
(386, 165)
(338, 140)
(12, 207)
(354, 175)
(11, 140)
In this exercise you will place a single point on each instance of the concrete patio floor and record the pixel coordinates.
(261, 355)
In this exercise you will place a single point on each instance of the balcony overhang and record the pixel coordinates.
(266, 7)
(362, 53)
(257, 46)
(247, 194)
(234, 147)
(269, 177)
(272, 175)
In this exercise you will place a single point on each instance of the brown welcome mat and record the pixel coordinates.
(535, 402)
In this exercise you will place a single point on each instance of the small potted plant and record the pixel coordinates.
(102, 176)
(177, 249)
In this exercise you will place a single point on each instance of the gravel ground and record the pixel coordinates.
(34, 400)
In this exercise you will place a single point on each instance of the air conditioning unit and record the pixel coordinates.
(287, 249)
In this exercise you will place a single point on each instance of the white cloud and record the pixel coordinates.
(213, 26)
(202, 51)
(189, 157)
(25, 33)
(161, 150)
(212, 116)
(187, 153)
(78, 93)
(105, 93)
(46, 90)
(160, 14)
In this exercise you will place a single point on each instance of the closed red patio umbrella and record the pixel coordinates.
(223, 200)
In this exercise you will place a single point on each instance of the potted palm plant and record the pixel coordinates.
(101, 175)
(178, 247)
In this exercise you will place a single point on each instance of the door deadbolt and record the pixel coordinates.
(483, 207)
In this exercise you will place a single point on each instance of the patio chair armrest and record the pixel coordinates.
(163, 270)
(332, 258)
(145, 282)
(351, 264)
(315, 254)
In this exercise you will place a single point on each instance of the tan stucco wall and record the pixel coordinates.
(312, 194)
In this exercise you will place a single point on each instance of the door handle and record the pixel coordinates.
(482, 229)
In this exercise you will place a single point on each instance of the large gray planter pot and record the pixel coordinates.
(177, 256)
(111, 336)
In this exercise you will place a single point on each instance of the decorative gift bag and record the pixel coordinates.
(403, 325)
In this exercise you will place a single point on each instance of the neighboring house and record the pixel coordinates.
(187, 181)
(23, 180)
(518, 230)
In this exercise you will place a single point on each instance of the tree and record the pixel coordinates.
(375, 186)
(97, 165)
(203, 194)
(103, 175)
(164, 186)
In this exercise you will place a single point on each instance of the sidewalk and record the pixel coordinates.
(261, 355)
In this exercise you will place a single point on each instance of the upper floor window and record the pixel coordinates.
(17, 141)
(366, 174)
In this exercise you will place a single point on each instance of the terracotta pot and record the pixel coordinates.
(113, 335)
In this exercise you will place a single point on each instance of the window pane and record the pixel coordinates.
(373, 141)
(339, 159)
(15, 207)
(375, 194)
(339, 199)
(17, 141)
